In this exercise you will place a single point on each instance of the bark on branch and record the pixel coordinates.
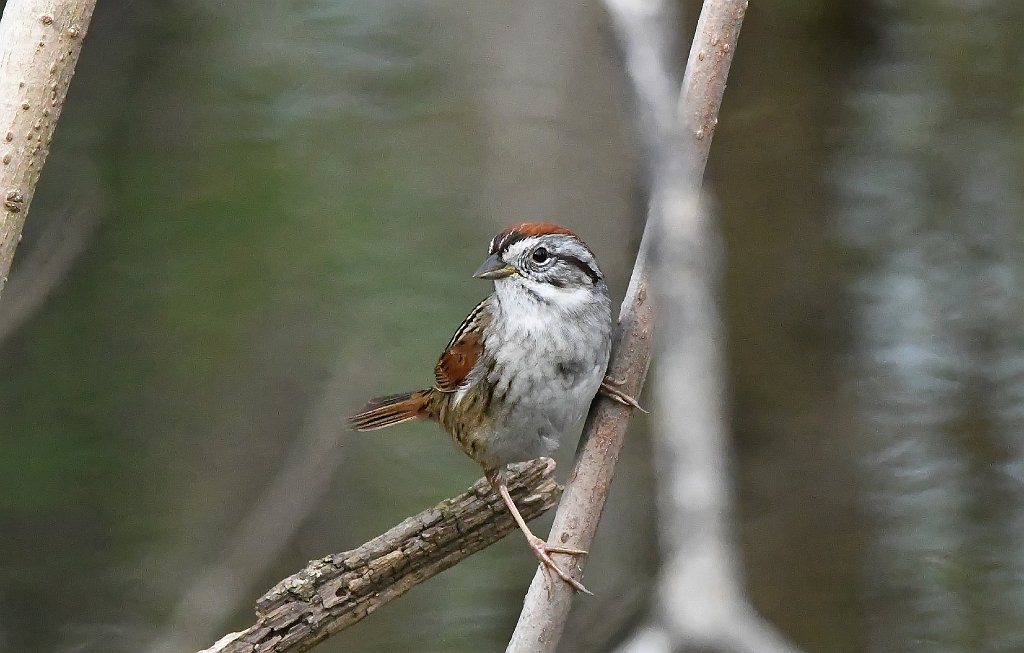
(39, 45)
(334, 592)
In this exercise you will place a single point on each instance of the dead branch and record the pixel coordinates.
(39, 47)
(334, 592)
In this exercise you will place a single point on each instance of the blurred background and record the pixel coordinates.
(254, 217)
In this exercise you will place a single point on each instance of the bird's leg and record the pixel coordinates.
(540, 548)
(610, 388)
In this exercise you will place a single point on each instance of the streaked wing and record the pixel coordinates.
(463, 350)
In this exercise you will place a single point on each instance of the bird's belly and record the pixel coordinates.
(539, 407)
(502, 445)
(538, 382)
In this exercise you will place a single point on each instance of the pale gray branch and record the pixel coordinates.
(40, 41)
(700, 603)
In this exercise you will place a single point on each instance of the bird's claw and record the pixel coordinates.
(542, 549)
(608, 389)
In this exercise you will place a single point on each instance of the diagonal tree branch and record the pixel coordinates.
(678, 140)
(40, 41)
(334, 592)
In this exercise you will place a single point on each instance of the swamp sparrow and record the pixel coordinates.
(523, 366)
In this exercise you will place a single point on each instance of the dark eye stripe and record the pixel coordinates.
(587, 270)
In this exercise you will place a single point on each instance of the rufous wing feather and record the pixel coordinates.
(463, 351)
(391, 410)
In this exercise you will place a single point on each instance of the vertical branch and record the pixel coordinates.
(678, 140)
(700, 602)
(40, 41)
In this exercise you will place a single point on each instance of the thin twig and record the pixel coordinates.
(677, 154)
(335, 592)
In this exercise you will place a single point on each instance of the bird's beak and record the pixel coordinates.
(494, 268)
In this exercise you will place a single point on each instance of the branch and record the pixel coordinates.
(334, 592)
(700, 604)
(677, 154)
(39, 46)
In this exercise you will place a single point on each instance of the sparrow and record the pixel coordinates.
(524, 365)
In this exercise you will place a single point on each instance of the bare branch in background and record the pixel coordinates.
(39, 47)
(700, 602)
(335, 592)
(44, 266)
(266, 529)
(677, 152)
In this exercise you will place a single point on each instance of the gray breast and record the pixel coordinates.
(570, 370)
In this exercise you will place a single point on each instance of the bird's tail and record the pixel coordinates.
(390, 410)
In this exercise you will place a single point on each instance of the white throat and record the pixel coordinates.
(531, 299)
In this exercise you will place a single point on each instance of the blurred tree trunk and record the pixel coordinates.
(39, 46)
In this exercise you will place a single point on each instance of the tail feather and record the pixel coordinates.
(391, 410)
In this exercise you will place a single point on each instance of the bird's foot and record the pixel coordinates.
(610, 388)
(542, 551)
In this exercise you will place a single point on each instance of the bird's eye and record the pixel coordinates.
(540, 255)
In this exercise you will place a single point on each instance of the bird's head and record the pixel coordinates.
(546, 259)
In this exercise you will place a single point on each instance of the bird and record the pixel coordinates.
(524, 365)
